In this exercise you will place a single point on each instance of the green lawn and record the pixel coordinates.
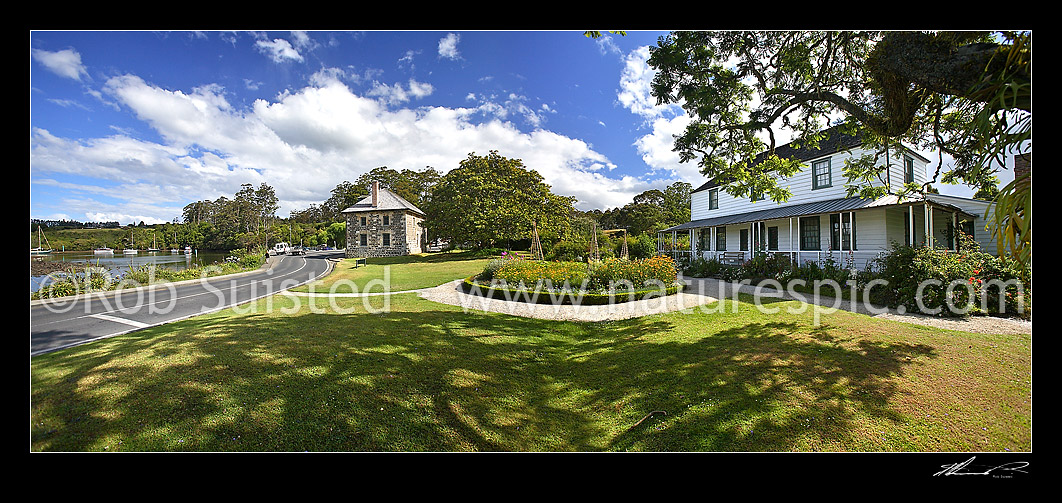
(409, 272)
(429, 377)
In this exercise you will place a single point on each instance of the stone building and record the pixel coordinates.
(383, 224)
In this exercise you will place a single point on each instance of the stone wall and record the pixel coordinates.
(403, 231)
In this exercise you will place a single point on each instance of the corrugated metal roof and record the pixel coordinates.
(805, 209)
(386, 201)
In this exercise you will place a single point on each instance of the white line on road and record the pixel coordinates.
(116, 319)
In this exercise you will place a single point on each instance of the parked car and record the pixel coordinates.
(297, 250)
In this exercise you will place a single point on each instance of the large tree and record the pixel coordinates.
(966, 95)
(492, 199)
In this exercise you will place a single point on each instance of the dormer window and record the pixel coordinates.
(821, 176)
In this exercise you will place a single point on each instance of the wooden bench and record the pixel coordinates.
(359, 261)
(732, 258)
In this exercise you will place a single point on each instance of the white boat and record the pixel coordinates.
(103, 251)
(132, 246)
(154, 244)
(40, 249)
(187, 250)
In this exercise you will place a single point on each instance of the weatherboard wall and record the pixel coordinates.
(801, 186)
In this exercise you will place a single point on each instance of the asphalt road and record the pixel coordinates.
(55, 326)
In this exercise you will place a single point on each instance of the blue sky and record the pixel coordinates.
(132, 126)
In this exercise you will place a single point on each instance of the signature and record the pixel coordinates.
(959, 468)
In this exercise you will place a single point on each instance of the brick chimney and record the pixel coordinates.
(375, 194)
(1022, 165)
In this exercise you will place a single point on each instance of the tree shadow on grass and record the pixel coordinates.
(445, 380)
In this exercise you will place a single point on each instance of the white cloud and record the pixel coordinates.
(636, 84)
(69, 104)
(664, 121)
(608, 46)
(407, 59)
(303, 143)
(303, 40)
(420, 89)
(65, 63)
(448, 46)
(278, 50)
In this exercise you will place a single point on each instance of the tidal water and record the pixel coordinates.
(119, 264)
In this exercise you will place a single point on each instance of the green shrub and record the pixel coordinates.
(567, 251)
(641, 247)
(979, 281)
(701, 267)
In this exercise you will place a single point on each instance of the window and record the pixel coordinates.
(809, 233)
(387, 219)
(841, 229)
(744, 239)
(363, 223)
(756, 196)
(387, 239)
(908, 169)
(821, 175)
(720, 238)
(772, 238)
(713, 199)
(364, 238)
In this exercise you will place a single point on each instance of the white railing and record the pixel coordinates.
(842, 258)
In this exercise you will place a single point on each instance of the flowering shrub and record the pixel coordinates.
(969, 280)
(639, 273)
(530, 272)
(598, 275)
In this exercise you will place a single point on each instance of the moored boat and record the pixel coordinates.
(132, 245)
(40, 249)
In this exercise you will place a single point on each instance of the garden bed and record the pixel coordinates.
(566, 282)
(542, 294)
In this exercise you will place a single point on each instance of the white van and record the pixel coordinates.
(281, 248)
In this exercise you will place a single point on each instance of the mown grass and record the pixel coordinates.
(410, 272)
(429, 377)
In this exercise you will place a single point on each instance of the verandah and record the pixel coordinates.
(799, 236)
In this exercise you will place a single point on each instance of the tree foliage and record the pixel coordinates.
(244, 221)
(414, 186)
(649, 211)
(966, 95)
(491, 199)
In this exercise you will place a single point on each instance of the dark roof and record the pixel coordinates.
(804, 209)
(386, 201)
(834, 142)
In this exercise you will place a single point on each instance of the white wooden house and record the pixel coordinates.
(819, 221)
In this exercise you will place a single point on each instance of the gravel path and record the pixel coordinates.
(705, 291)
(975, 324)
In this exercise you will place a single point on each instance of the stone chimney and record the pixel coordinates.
(375, 194)
(1022, 165)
